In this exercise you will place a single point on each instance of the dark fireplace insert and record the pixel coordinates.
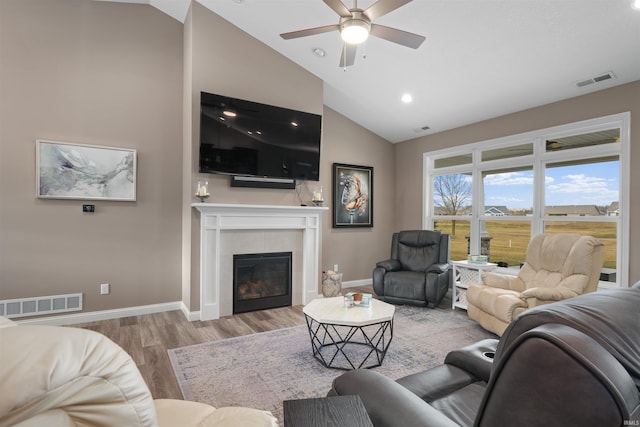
(261, 281)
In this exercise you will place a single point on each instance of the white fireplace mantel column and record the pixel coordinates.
(216, 218)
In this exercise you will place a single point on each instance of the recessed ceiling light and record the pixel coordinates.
(407, 98)
(294, 124)
(636, 4)
(319, 52)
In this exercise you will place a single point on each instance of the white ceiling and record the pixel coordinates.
(481, 58)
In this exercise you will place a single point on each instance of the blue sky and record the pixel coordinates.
(590, 184)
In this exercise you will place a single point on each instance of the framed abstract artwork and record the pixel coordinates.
(77, 171)
(352, 196)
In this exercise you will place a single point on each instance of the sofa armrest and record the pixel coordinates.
(63, 372)
(476, 358)
(438, 268)
(503, 281)
(389, 265)
(549, 294)
(388, 403)
(183, 413)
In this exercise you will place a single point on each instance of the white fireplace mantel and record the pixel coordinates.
(215, 218)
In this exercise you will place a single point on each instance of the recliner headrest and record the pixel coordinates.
(419, 238)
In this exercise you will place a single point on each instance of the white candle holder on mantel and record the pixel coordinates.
(317, 198)
(202, 192)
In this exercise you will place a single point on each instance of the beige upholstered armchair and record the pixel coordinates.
(557, 267)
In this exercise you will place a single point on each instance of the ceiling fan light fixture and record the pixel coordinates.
(354, 31)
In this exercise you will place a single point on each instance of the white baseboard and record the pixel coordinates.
(190, 315)
(94, 316)
(356, 283)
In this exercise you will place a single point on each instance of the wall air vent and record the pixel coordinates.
(36, 306)
(601, 78)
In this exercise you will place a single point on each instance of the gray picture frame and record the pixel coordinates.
(66, 170)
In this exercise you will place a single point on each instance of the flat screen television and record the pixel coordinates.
(246, 138)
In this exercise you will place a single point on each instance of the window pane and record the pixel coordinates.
(464, 159)
(586, 188)
(452, 194)
(508, 191)
(605, 231)
(459, 232)
(508, 152)
(584, 140)
(506, 241)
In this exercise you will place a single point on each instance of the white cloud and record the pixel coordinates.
(580, 189)
(509, 178)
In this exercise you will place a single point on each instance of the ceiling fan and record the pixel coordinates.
(355, 26)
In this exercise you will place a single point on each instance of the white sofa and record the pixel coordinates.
(60, 376)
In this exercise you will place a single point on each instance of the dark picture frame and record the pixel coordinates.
(352, 196)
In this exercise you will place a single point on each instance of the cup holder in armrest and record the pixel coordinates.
(489, 354)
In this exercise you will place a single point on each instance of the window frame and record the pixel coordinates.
(538, 161)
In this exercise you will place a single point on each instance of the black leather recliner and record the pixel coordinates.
(417, 272)
(571, 363)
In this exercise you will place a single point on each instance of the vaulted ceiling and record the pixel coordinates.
(481, 58)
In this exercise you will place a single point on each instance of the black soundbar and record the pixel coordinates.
(262, 182)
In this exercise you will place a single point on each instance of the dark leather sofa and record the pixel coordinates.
(571, 363)
(417, 272)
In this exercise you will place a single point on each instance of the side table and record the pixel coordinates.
(464, 274)
(333, 411)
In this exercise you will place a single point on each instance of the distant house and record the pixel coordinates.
(574, 210)
(613, 209)
(496, 211)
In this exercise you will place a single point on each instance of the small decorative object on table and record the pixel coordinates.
(360, 299)
(202, 192)
(318, 198)
(348, 300)
(477, 259)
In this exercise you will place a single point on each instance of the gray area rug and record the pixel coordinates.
(262, 370)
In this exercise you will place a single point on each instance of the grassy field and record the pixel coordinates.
(509, 239)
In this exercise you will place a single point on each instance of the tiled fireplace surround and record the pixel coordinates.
(228, 229)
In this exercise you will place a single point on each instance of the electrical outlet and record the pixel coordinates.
(335, 267)
(104, 289)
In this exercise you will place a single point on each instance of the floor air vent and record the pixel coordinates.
(598, 79)
(36, 306)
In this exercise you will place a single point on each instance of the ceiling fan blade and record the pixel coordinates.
(394, 35)
(338, 7)
(309, 32)
(348, 56)
(382, 7)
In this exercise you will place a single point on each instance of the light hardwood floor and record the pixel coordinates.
(148, 337)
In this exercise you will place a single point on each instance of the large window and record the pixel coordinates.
(493, 196)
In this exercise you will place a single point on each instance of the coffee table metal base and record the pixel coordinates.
(350, 347)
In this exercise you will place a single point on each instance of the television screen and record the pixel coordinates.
(241, 137)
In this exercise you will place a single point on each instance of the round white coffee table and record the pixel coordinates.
(349, 338)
